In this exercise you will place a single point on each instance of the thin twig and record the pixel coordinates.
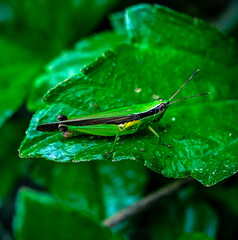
(144, 203)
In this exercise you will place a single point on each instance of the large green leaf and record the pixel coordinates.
(71, 62)
(159, 26)
(194, 149)
(98, 188)
(39, 216)
(17, 68)
(203, 144)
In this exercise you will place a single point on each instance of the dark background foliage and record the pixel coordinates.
(70, 200)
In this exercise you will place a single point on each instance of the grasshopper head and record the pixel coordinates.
(161, 106)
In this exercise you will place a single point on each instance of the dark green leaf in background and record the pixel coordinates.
(182, 216)
(201, 131)
(101, 189)
(12, 168)
(226, 196)
(48, 27)
(17, 70)
(33, 208)
(195, 236)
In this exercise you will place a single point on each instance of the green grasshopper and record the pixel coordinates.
(117, 122)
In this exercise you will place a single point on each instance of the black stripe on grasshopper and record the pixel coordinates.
(51, 127)
(152, 111)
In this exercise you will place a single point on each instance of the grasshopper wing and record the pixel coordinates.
(117, 116)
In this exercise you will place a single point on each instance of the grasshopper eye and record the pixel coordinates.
(161, 107)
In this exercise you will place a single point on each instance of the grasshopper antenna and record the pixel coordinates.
(189, 97)
(184, 86)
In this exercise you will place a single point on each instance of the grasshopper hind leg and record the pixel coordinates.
(66, 132)
(62, 117)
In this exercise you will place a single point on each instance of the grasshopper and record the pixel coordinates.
(117, 122)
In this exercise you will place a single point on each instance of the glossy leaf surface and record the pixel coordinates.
(159, 26)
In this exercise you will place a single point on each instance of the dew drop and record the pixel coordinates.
(138, 90)
(155, 96)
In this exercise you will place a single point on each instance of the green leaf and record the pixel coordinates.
(112, 186)
(49, 26)
(203, 144)
(195, 236)
(159, 26)
(71, 62)
(118, 22)
(53, 220)
(225, 196)
(11, 168)
(17, 68)
(186, 214)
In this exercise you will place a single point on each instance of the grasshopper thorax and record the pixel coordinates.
(161, 105)
(159, 109)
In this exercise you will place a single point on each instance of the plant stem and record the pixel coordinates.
(143, 204)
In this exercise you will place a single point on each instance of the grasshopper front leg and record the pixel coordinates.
(157, 135)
